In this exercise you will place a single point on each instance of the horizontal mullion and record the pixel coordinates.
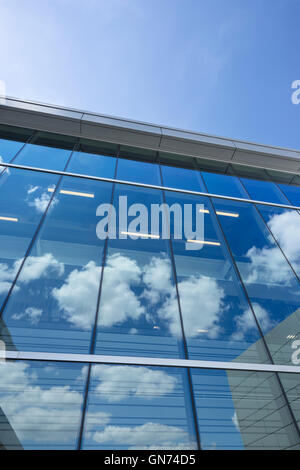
(147, 361)
(150, 186)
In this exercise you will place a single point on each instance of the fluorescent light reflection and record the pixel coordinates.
(204, 242)
(139, 234)
(226, 214)
(9, 219)
(72, 193)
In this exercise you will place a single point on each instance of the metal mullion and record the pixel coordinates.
(94, 330)
(186, 353)
(150, 186)
(20, 150)
(149, 361)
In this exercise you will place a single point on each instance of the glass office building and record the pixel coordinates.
(137, 342)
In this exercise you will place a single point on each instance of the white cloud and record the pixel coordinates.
(36, 267)
(77, 297)
(201, 297)
(31, 313)
(157, 277)
(40, 414)
(268, 265)
(201, 305)
(40, 203)
(118, 301)
(146, 436)
(120, 382)
(44, 414)
(7, 274)
(286, 229)
(246, 323)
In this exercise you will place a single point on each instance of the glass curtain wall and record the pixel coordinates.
(233, 298)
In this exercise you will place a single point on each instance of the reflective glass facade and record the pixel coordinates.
(65, 290)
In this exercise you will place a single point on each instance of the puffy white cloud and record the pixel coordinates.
(118, 301)
(246, 323)
(77, 297)
(201, 297)
(286, 229)
(146, 436)
(201, 305)
(40, 203)
(41, 414)
(119, 382)
(157, 278)
(45, 414)
(7, 274)
(36, 267)
(31, 313)
(268, 265)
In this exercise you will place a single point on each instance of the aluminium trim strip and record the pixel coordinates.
(231, 141)
(150, 186)
(148, 361)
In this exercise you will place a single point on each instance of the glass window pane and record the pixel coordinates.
(138, 285)
(269, 280)
(137, 171)
(242, 410)
(8, 149)
(53, 305)
(40, 156)
(22, 204)
(40, 405)
(264, 191)
(224, 184)
(138, 408)
(92, 164)
(211, 297)
(285, 227)
(291, 385)
(292, 193)
(182, 178)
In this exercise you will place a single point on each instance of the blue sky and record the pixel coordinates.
(222, 67)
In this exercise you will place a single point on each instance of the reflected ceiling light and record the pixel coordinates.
(202, 331)
(156, 327)
(139, 234)
(204, 242)
(291, 336)
(9, 219)
(72, 193)
(227, 214)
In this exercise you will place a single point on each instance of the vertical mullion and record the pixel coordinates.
(186, 354)
(94, 330)
(20, 150)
